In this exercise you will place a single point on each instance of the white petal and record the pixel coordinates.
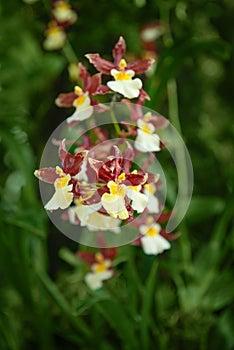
(55, 41)
(80, 114)
(72, 216)
(83, 212)
(127, 88)
(82, 176)
(93, 280)
(141, 123)
(153, 204)
(114, 205)
(139, 200)
(97, 221)
(155, 244)
(62, 198)
(146, 142)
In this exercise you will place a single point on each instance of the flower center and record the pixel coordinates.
(121, 177)
(62, 181)
(145, 128)
(151, 231)
(79, 101)
(115, 188)
(62, 5)
(149, 188)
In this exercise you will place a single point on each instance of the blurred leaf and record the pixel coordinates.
(116, 315)
(202, 208)
(147, 306)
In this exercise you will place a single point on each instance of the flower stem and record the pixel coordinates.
(173, 113)
(69, 53)
(114, 120)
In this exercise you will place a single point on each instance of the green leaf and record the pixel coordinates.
(147, 306)
(116, 316)
(202, 208)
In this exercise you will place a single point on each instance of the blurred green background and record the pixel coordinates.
(182, 299)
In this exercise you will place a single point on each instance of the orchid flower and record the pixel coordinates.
(100, 266)
(122, 189)
(151, 240)
(63, 178)
(55, 37)
(81, 98)
(121, 71)
(146, 140)
(63, 13)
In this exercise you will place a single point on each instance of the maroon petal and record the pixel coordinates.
(72, 164)
(48, 175)
(102, 89)
(152, 178)
(119, 50)
(65, 100)
(94, 84)
(159, 122)
(109, 253)
(62, 151)
(95, 164)
(140, 66)
(84, 75)
(169, 236)
(99, 63)
(128, 158)
(96, 198)
(142, 97)
(163, 217)
(106, 174)
(135, 179)
(87, 257)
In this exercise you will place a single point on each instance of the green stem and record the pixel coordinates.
(114, 120)
(69, 53)
(173, 113)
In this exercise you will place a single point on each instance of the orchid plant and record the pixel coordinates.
(105, 192)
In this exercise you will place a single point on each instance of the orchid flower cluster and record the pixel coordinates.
(62, 17)
(102, 188)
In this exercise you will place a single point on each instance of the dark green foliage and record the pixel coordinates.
(180, 300)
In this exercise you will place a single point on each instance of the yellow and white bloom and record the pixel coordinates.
(55, 37)
(146, 140)
(152, 242)
(83, 106)
(63, 196)
(124, 84)
(100, 271)
(153, 202)
(63, 12)
(114, 202)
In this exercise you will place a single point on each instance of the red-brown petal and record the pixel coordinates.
(119, 50)
(169, 236)
(94, 84)
(65, 100)
(140, 66)
(48, 175)
(100, 63)
(135, 179)
(72, 164)
(87, 257)
(84, 75)
(109, 253)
